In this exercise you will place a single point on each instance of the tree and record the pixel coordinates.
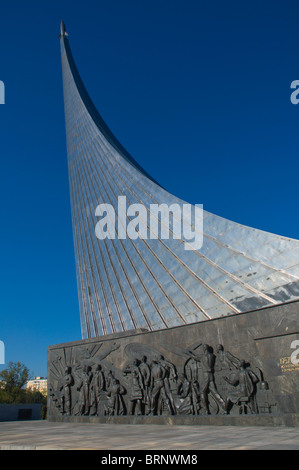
(12, 391)
(13, 380)
(15, 376)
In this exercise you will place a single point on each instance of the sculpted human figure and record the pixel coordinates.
(225, 360)
(110, 378)
(98, 380)
(65, 390)
(146, 376)
(244, 380)
(170, 368)
(265, 398)
(207, 361)
(158, 375)
(98, 385)
(115, 405)
(84, 389)
(190, 392)
(136, 387)
(170, 376)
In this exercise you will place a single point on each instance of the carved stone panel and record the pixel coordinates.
(203, 380)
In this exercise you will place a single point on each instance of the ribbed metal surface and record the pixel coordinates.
(147, 283)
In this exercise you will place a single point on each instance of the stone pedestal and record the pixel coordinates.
(235, 370)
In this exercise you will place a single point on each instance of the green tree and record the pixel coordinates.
(12, 391)
(14, 377)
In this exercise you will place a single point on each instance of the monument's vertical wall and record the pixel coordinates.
(244, 376)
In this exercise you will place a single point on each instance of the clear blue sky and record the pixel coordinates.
(199, 94)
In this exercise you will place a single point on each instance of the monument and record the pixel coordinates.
(195, 326)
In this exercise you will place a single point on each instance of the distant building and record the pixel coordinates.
(39, 383)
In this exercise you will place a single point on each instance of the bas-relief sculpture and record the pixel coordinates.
(204, 381)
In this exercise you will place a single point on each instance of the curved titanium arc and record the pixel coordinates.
(141, 258)
(210, 237)
(239, 281)
(105, 131)
(97, 118)
(246, 286)
(84, 231)
(172, 253)
(142, 283)
(90, 229)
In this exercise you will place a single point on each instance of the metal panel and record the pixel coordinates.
(157, 283)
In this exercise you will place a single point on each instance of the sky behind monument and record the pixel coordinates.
(197, 92)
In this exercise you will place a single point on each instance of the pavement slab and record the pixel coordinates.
(44, 435)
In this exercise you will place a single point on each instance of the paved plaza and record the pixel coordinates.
(43, 435)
